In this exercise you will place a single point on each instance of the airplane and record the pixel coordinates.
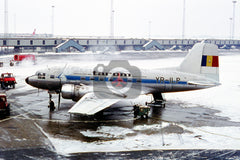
(95, 89)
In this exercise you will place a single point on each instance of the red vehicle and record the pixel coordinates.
(4, 106)
(7, 79)
(19, 58)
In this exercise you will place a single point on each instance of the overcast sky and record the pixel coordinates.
(132, 18)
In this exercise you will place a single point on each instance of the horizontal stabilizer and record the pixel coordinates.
(202, 83)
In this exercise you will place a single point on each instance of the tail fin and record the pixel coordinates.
(202, 59)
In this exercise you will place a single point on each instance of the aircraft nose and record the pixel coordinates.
(27, 80)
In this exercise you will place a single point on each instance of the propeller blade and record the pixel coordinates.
(59, 98)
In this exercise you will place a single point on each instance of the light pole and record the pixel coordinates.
(53, 20)
(149, 29)
(183, 20)
(5, 18)
(230, 27)
(112, 20)
(233, 18)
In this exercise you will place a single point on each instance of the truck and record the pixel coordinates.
(7, 79)
(4, 105)
(23, 57)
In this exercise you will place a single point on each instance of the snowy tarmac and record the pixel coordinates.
(193, 124)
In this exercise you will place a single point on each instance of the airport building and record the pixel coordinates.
(73, 44)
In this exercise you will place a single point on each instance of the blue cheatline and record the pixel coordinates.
(152, 81)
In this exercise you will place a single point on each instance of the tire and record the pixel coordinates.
(51, 106)
(2, 85)
(135, 115)
(7, 112)
(11, 64)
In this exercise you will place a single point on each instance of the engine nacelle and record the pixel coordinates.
(74, 92)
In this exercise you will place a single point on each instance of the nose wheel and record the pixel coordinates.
(51, 105)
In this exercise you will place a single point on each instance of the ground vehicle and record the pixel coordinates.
(7, 79)
(140, 110)
(19, 58)
(4, 106)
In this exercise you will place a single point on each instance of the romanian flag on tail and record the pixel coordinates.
(210, 61)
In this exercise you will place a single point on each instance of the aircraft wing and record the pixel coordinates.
(89, 104)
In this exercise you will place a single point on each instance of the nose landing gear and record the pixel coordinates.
(51, 105)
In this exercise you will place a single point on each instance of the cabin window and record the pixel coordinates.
(52, 76)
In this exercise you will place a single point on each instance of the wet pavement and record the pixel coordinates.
(41, 153)
(183, 129)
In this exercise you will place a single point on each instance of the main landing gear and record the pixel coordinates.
(143, 110)
(158, 101)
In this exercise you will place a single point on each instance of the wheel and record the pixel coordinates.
(11, 64)
(8, 110)
(163, 105)
(2, 85)
(136, 111)
(51, 106)
(13, 85)
(135, 115)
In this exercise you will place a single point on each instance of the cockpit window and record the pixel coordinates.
(41, 75)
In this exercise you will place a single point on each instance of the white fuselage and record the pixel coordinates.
(157, 80)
